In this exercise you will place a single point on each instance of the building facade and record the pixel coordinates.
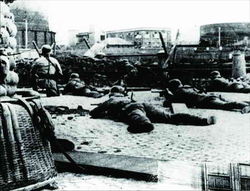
(143, 38)
(139, 39)
(225, 34)
(37, 29)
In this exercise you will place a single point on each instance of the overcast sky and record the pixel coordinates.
(187, 15)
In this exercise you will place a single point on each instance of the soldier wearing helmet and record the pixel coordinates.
(218, 83)
(76, 86)
(194, 98)
(117, 91)
(46, 71)
(139, 116)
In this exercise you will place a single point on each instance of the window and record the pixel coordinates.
(102, 37)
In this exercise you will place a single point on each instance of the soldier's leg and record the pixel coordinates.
(160, 115)
(138, 121)
(213, 103)
(156, 114)
(187, 119)
(220, 103)
(51, 88)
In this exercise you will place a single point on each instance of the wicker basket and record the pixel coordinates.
(25, 156)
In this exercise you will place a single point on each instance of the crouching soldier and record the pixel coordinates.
(218, 83)
(140, 116)
(77, 87)
(193, 98)
(40, 116)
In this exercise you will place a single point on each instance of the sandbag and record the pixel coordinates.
(10, 16)
(12, 42)
(4, 9)
(4, 36)
(11, 28)
(3, 21)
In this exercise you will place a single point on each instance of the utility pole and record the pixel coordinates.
(219, 43)
(26, 34)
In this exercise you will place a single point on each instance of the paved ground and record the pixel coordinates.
(226, 141)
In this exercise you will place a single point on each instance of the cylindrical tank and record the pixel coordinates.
(224, 34)
(239, 65)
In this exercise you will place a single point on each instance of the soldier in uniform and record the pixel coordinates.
(218, 83)
(139, 116)
(45, 72)
(193, 98)
(76, 86)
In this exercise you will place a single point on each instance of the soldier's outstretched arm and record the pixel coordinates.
(100, 111)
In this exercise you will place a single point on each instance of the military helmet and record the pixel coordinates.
(74, 75)
(100, 55)
(215, 74)
(117, 89)
(174, 84)
(46, 48)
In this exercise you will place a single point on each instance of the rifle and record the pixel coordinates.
(157, 91)
(138, 89)
(86, 42)
(163, 44)
(36, 48)
(165, 65)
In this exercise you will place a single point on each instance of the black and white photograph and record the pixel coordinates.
(125, 95)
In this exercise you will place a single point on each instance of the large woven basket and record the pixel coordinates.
(25, 156)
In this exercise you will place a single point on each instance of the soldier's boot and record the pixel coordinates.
(187, 119)
(139, 122)
(246, 109)
(141, 128)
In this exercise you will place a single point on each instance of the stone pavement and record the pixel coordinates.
(225, 142)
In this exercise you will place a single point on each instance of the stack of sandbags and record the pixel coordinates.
(8, 29)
